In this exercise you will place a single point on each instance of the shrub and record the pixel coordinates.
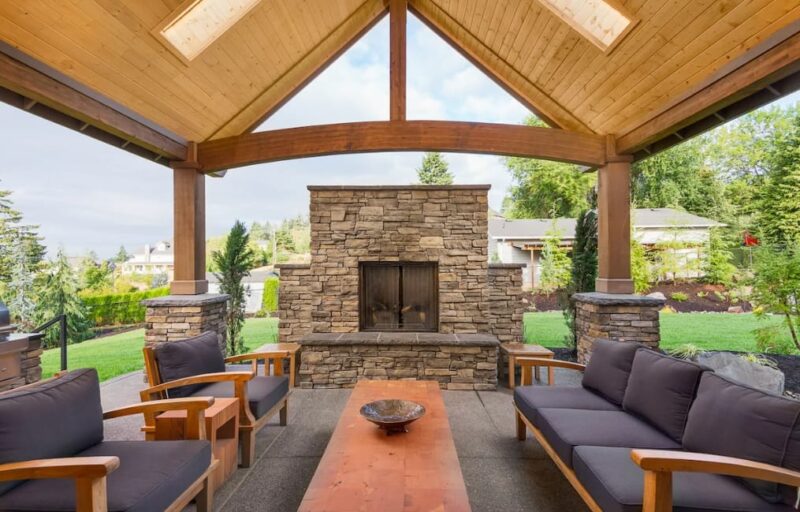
(702, 295)
(269, 302)
(773, 339)
(679, 297)
(120, 308)
(688, 351)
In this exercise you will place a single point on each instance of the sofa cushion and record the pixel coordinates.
(263, 392)
(185, 358)
(616, 484)
(565, 429)
(731, 419)
(51, 419)
(530, 399)
(661, 390)
(608, 368)
(151, 475)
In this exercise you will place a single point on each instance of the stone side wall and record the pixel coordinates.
(298, 294)
(505, 302)
(30, 359)
(177, 317)
(447, 225)
(623, 318)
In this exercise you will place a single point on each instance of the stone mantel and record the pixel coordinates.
(617, 299)
(400, 338)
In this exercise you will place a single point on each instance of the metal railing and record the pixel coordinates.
(61, 320)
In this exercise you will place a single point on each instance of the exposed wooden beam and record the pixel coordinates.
(303, 72)
(366, 137)
(397, 59)
(41, 89)
(778, 63)
(500, 71)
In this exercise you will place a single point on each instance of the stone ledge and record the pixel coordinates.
(507, 265)
(291, 266)
(186, 300)
(398, 187)
(400, 338)
(613, 299)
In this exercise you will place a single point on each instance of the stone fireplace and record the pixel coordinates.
(400, 286)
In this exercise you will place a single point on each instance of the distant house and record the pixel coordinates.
(253, 282)
(151, 259)
(521, 241)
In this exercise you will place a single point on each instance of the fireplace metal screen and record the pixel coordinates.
(398, 296)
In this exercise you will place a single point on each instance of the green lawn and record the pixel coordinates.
(122, 353)
(709, 331)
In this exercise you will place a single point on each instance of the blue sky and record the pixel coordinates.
(86, 195)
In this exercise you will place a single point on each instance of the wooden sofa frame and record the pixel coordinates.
(248, 424)
(90, 473)
(658, 465)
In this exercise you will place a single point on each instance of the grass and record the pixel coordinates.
(122, 353)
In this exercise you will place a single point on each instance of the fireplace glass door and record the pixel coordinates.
(398, 296)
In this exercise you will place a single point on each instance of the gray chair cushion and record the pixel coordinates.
(55, 418)
(730, 419)
(608, 368)
(262, 392)
(151, 475)
(186, 358)
(616, 484)
(661, 390)
(565, 429)
(530, 399)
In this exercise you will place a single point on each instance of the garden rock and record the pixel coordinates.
(657, 295)
(751, 374)
(736, 309)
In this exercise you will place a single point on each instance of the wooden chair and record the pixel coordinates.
(254, 413)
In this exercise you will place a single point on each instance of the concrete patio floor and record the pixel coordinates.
(501, 473)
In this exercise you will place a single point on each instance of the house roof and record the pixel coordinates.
(643, 218)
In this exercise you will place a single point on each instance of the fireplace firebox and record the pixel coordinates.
(398, 296)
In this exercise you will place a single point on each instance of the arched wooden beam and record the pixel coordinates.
(377, 136)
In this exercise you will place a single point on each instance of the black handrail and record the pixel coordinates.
(62, 335)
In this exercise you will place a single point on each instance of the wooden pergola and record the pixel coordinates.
(185, 83)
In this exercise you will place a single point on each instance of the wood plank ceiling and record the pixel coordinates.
(107, 45)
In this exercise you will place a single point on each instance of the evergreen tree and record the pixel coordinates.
(584, 270)
(717, 266)
(59, 295)
(555, 264)
(434, 170)
(12, 232)
(233, 263)
(21, 289)
(122, 255)
(640, 267)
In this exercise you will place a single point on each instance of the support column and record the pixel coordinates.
(189, 242)
(614, 224)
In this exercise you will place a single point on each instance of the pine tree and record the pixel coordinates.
(21, 288)
(122, 255)
(233, 263)
(12, 232)
(59, 295)
(717, 266)
(584, 270)
(555, 264)
(434, 170)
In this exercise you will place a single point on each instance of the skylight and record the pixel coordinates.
(193, 26)
(598, 21)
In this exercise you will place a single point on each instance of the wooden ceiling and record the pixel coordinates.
(676, 48)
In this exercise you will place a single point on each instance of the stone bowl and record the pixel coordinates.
(392, 415)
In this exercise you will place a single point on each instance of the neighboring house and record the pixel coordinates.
(151, 259)
(521, 241)
(254, 283)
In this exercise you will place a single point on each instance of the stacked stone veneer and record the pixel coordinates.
(28, 348)
(177, 317)
(298, 294)
(622, 318)
(506, 308)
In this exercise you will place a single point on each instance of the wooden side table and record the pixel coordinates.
(222, 430)
(291, 348)
(515, 350)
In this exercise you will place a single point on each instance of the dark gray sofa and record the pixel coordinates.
(53, 456)
(645, 426)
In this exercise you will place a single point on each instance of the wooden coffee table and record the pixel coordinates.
(515, 350)
(366, 470)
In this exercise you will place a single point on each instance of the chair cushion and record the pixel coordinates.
(565, 429)
(185, 358)
(661, 390)
(731, 419)
(262, 392)
(530, 399)
(151, 475)
(608, 368)
(616, 484)
(51, 419)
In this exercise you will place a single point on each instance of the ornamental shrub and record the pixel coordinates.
(120, 308)
(269, 302)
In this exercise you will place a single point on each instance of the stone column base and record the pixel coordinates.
(616, 317)
(177, 317)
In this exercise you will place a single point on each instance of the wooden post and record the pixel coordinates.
(397, 59)
(614, 223)
(533, 268)
(189, 226)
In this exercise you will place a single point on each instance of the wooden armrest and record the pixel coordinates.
(193, 404)
(68, 467)
(257, 356)
(206, 378)
(555, 363)
(667, 461)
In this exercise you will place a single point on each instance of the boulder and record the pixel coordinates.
(739, 369)
(657, 295)
(736, 309)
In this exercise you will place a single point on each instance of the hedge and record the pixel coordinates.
(120, 308)
(269, 302)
